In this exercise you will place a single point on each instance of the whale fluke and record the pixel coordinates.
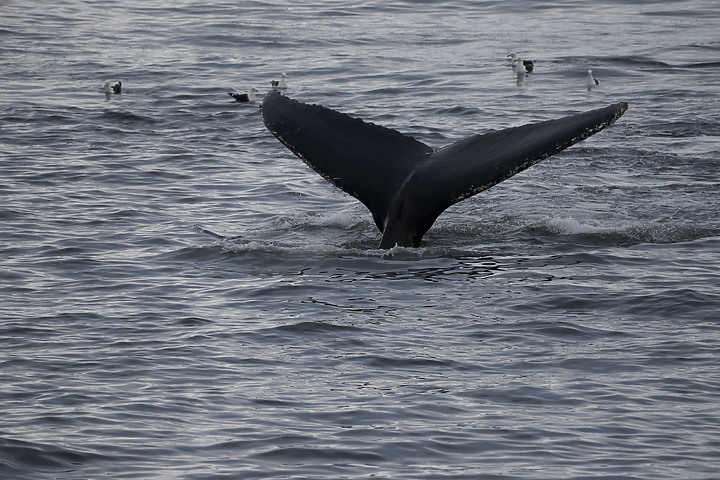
(404, 183)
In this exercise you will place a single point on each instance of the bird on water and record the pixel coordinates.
(528, 64)
(117, 88)
(244, 97)
(591, 81)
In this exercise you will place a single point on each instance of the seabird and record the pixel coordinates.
(591, 81)
(283, 82)
(244, 97)
(117, 88)
(528, 64)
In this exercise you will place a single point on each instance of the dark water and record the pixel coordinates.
(563, 324)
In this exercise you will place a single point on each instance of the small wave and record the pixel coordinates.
(324, 454)
(627, 233)
(712, 46)
(193, 321)
(391, 362)
(313, 328)
(20, 459)
(204, 253)
(669, 303)
(128, 117)
(459, 111)
(622, 62)
(702, 65)
(642, 62)
(343, 220)
(571, 226)
(363, 248)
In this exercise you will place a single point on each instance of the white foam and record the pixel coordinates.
(571, 226)
(344, 219)
(634, 231)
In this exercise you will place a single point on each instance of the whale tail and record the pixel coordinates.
(404, 183)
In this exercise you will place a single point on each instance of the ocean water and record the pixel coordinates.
(182, 298)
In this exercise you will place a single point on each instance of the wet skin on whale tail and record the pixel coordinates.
(404, 183)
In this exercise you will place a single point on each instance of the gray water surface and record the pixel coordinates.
(561, 325)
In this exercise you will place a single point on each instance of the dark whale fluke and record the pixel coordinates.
(405, 184)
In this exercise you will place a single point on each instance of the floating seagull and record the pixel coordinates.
(282, 83)
(117, 88)
(591, 81)
(244, 97)
(528, 64)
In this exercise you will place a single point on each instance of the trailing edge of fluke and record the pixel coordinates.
(404, 183)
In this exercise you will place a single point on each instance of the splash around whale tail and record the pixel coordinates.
(403, 182)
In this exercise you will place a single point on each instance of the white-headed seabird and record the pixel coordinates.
(244, 97)
(591, 81)
(528, 64)
(117, 88)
